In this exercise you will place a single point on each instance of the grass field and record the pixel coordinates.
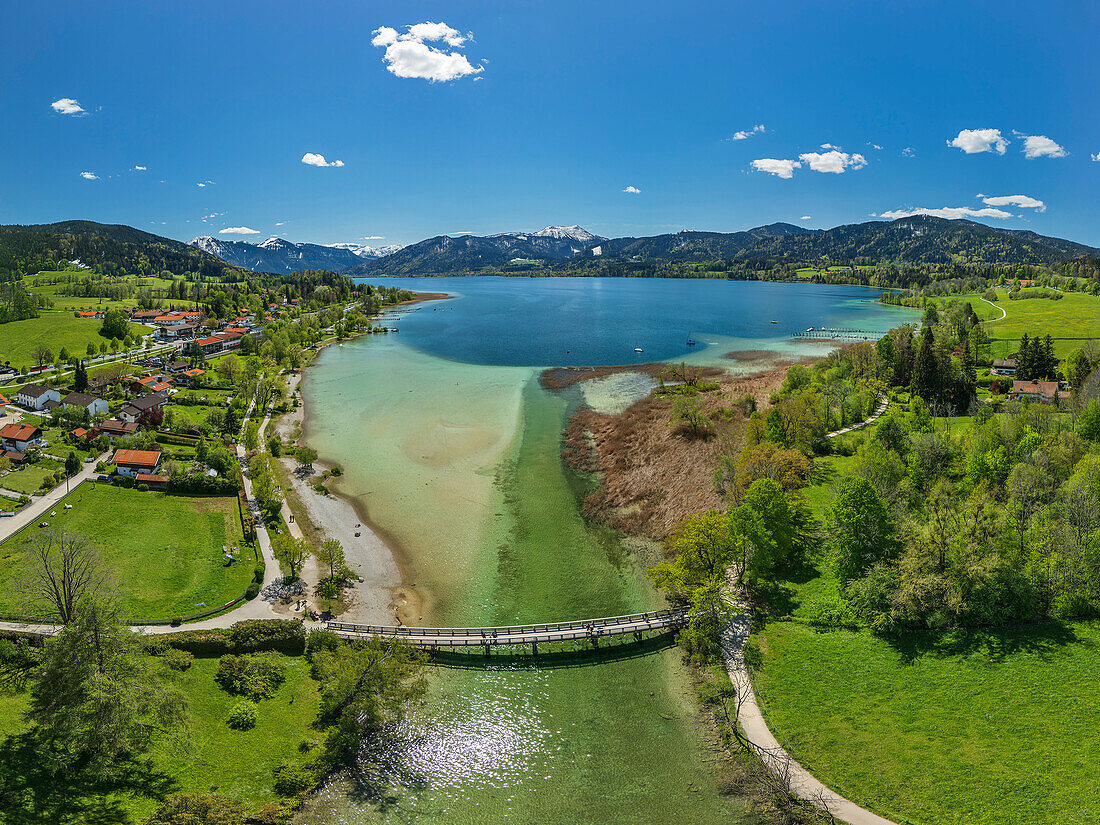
(983, 728)
(1076, 315)
(38, 286)
(28, 479)
(164, 552)
(209, 756)
(55, 330)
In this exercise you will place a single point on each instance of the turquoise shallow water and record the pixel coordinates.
(459, 462)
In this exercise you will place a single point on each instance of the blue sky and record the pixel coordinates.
(553, 110)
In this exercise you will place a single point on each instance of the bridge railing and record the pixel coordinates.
(667, 617)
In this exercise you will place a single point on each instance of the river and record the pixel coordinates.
(451, 447)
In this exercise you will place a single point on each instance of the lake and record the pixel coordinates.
(451, 447)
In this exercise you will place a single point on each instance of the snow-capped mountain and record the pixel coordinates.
(573, 233)
(364, 251)
(282, 256)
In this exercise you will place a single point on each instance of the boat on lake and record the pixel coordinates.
(638, 349)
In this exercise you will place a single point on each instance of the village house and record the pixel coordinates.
(1003, 366)
(1044, 392)
(178, 331)
(192, 376)
(3, 405)
(90, 313)
(145, 316)
(20, 437)
(133, 410)
(115, 428)
(91, 403)
(178, 366)
(136, 462)
(34, 397)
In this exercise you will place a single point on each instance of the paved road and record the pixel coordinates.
(40, 506)
(801, 782)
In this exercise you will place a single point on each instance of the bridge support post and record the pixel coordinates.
(637, 635)
(488, 649)
(534, 648)
(595, 642)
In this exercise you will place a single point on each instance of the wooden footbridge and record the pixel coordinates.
(589, 630)
(833, 334)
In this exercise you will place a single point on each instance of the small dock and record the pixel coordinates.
(833, 334)
(525, 637)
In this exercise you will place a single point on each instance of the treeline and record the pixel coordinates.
(16, 304)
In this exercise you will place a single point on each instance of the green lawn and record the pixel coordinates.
(973, 728)
(28, 479)
(55, 330)
(209, 756)
(70, 303)
(164, 552)
(1076, 315)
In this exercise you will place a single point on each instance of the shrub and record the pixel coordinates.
(256, 675)
(190, 808)
(143, 488)
(252, 591)
(258, 574)
(178, 659)
(242, 716)
(176, 621)
(285, 635)
(291, 780)
(200, 642)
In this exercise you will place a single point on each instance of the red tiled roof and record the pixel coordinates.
(20, 432)
(156, 479)
(194, 372)
(79, 432)
(137, 458)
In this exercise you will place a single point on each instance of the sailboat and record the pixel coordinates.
(690, 341)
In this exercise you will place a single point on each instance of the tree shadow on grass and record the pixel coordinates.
(995, 644)
(31, 794)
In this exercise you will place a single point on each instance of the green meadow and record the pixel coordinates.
(165, 553)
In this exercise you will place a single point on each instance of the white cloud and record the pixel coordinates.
(745, 134)
(806, 218)
(829, 146)
(1096, 157)
(238, 230)
(141, 168)
(409, 55)
(833, 161)
(373, 238)
(67, 106)
(89, 176)
(1040, 146)
(1023, 201)
(875, 146)
(633, 190)
(776, 166)
(908, 152)
(973, 141)
(313, 159)
(952, 212)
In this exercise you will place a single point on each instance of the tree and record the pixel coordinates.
(198, 809)
(60, 569)
(689, 416)
(770, 528)
(331, 554)
(292, 552)
(305, 455)
(700, 550)
(116, 325)
(926, 382)
(80, 379)
(860, 529)
(97, 696)
(72, 464)
(42, 355)
(91, 351)
(365, 687)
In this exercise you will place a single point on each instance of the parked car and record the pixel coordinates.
(106, 479)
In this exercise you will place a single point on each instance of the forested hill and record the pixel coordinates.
(111, 249)
(915, 240)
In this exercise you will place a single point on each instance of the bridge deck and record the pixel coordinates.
(532, 634)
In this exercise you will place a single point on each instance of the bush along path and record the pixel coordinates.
(755, 732)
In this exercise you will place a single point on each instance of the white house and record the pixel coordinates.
(136, 462)
(35, 397)
(19, 437)
(89, 402)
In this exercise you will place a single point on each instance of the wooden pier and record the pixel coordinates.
(832, 334)
(521, 636)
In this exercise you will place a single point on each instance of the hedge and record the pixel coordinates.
(284, 635)
(202, 485)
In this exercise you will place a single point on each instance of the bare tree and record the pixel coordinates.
(60, 569)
